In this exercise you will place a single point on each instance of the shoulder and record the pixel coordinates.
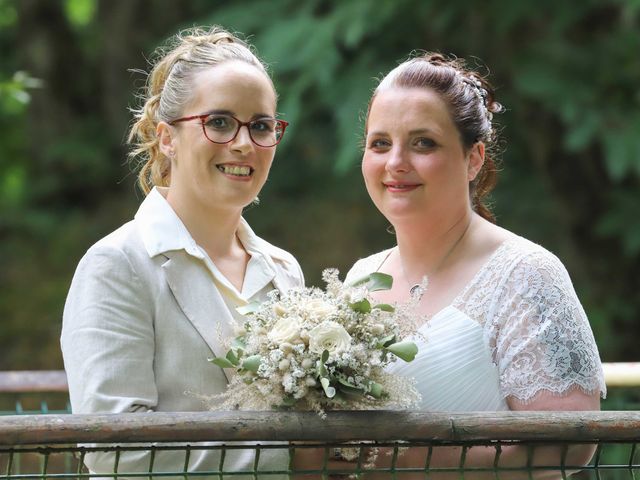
(533, 265)
(367, 265)
(533, 279)
(120, 249)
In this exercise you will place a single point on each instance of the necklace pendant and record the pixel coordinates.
(415, 290)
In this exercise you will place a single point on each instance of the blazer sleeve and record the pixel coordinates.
(108, 337)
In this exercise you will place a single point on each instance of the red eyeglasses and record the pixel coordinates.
(221, 128)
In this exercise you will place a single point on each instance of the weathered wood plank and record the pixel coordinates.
(32, 381)
(338, 426)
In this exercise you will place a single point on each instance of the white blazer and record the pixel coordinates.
(144, 312)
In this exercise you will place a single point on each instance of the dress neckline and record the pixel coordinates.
(474, 279)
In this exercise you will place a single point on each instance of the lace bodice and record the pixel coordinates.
(533, 328)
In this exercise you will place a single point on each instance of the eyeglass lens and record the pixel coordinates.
(265, 132)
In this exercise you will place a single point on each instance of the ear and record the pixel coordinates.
(166, 139)
(476, 160)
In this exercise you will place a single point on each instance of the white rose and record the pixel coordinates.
(377, 329)
(279, 310)
(285, 330)
(319, 309)
(329, 336)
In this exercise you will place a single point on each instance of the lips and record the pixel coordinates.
(235, 170)
(400, 186)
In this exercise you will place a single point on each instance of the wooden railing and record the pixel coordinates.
(44, 446)
(341, 426)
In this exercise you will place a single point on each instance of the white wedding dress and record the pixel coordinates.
(515, 330)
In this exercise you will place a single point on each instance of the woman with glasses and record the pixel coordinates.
(153, 301)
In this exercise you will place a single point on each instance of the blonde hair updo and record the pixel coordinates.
(169, 88)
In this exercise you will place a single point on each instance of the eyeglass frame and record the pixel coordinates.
(241, 124)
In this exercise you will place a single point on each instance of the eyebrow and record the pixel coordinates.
(411, 132)
(229, 112)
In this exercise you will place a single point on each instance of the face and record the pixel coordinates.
(414, 164)
(221, 175)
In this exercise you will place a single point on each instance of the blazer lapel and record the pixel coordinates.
(200, 301)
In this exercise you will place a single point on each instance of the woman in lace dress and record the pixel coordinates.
(505, 330)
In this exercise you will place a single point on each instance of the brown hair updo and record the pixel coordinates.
(471, 101)
(169, 87)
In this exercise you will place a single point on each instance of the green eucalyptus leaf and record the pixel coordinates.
(322, 370)
(386, 341)
(350, 392)
(329, 391)
(405, 350)
(252, 363)
(231, 356)
(375, 281)
(385, 307)
(239, 343)
(222, 362)
(345, 382)
(325, 356)
(363, 306)
(375, 390)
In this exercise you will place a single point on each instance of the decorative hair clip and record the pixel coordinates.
(480, 92)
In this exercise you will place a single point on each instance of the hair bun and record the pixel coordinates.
(199, 36)
(436, 59)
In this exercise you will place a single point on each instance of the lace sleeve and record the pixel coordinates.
(543, 338)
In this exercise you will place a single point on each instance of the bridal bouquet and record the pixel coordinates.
(310, 349)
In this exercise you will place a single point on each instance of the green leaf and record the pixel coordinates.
(350, 392)
(248, 308)
(322, 370)
(231, 356)
(386, 341)
(375, 281)
(375, 390)
(325, 356)
(385, 307)
(239, 343)
(329, 391)
(405, 350)
(252, 363)
(363, 306)
(345, 382)
(222, 362)
(348, 388)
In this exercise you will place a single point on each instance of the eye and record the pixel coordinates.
(263, 125)
(219, 122)
(378, 144)
(424, 143)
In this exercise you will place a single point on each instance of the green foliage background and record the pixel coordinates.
(568, 73)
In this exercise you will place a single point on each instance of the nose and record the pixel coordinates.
(397, 160)
(242, 143)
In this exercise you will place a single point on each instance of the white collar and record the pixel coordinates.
(162, 231)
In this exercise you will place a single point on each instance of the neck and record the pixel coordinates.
(426, 248)
(214, 229)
